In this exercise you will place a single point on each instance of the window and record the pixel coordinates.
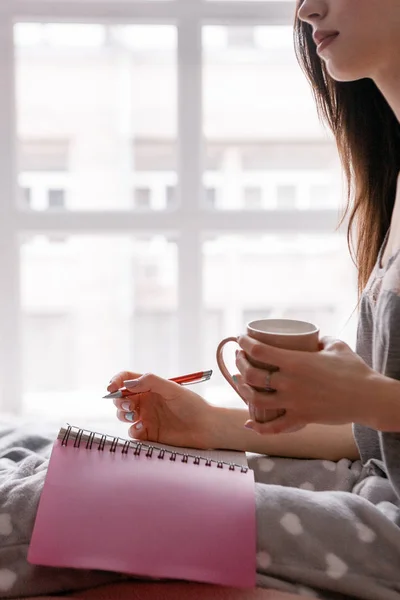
(252, 198)
(322, 316)
(286, 197)
(92, 288)
(27, 197)
(44, 173)
(170, 196)
(320, 196)
(116, 117)
(211, 197)
(150, 271)
(142, 198)
(255, 314)
(56, 198)
(48, 352)
(162, 327)
(240, 37)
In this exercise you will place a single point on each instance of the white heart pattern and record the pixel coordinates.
(329, 465)
(365, 533)
(5, 524)
(292, 524)
(263, 560)
(266, 464)
(307, 485)
(336, 567)
(7, 579)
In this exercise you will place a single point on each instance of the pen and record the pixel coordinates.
(182, 380)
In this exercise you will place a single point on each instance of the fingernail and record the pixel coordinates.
(126, 406)
(131, 383)
(139, 425)
(129, 416)
(236, 353)
(249, 426)
(112, 386)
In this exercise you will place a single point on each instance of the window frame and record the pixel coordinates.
(189, 222)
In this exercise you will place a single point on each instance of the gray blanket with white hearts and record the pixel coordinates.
(324, 529)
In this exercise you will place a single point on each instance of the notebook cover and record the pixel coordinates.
(146, 516)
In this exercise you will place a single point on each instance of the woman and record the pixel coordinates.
(331, 523)
(326, 526)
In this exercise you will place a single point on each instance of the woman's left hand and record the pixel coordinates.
(328, 387)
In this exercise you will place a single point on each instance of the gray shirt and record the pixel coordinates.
(378, 343)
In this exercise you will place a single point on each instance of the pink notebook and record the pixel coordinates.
(146, 510)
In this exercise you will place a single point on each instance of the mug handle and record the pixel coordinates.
(260, 415)
(222, 366)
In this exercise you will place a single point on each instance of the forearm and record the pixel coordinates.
(314, 441)
(381, 399)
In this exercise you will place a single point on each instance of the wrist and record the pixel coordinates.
(227, 428)
(382, 395)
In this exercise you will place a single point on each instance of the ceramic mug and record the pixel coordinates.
(281, 333)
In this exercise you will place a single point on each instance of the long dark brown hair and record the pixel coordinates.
(367, 136)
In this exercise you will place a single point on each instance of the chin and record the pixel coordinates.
(345, 74)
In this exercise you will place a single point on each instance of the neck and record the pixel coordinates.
(389, 85)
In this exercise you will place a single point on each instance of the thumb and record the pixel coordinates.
(285, 424)
(152, 383)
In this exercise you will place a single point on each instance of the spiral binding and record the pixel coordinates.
(78, 436)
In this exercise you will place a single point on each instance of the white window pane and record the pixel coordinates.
(90, 111)
(252, 198)
(142, 198)
(286, 197)
(321, 196)
(91, 307)
(306, 277)
(76, 35)
(57, 198)
(261, 128)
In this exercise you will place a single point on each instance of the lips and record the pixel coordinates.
(320, 36)
(325, 43)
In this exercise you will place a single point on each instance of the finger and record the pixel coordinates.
(126, 416)
(127, 403)
(269, 354)
(138, 431)
(264, 415)
(153, 383)
(260, 378)
(287, 423)
(262, 400)
(116, 382)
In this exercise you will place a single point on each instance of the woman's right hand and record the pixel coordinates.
(166, 412)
